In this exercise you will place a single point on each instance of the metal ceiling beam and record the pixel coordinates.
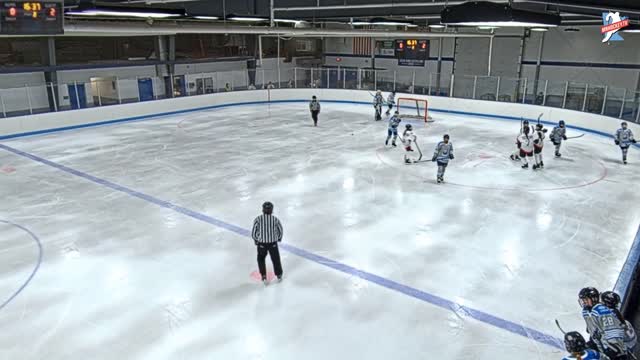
(372, 6)
(569, 4)
(123, 28)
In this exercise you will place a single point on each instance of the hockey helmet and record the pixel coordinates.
(610, 299)
(574, 342)
(589, 293)
(446, 137)
(408, 127)
(561, 123)
(624, 124)
(539, 126)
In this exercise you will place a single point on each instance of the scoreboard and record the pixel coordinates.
(412, 52)
(31, 17)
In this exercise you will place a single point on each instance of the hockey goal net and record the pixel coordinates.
(413, 108)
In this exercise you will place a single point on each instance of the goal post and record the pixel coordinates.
(413, 108)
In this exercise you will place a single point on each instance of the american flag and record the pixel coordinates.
(362, 46)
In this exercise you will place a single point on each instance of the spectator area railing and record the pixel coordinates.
(105, 91)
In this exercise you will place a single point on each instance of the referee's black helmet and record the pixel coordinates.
(267, 207)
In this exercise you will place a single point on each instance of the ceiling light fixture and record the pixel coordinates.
(383, 22)
(206, 17)
(487, 27)
(122, 13)
(541, 29)
(484, 13)
(289, 21)
(247, 18)
(436, 26)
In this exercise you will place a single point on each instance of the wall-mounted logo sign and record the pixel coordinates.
(612, 23)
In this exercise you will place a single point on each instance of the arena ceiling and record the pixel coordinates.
(421, 12)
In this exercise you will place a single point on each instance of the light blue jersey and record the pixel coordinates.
(378, 100)
(624, 137)
(394, 121)
(558, 134)
(444, 152)
(587, 355)
(608, 326)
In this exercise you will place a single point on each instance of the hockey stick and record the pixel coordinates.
(560, 327)
(575, 137)
(419, 151)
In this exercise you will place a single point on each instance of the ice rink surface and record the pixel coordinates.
(129, 241)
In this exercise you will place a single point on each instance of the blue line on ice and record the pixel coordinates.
(387, 283)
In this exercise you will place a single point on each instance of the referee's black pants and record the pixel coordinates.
(314, 116)
(274, 253)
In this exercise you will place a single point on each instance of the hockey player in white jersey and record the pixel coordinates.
(607, 333)
(377, 105)
(515, 156)
(442, 154)
(624, 138)
(410, 146)
(538, 144)
(391, 100)
(392, 130)
(612, 301)
(577, 348)
(558, 134)
(525, 144)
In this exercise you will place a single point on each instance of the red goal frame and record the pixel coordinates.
(413, 105)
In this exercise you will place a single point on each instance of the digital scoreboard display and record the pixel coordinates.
(31, 17)
(412, 52)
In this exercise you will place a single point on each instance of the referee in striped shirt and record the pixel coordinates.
(266, 234)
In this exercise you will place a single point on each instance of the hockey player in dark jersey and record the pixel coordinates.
(558, 134)
(442, 154)
(604, 327)
(577, 348)
(378, 100)
(612, 301)
(392, 130)
(624, 138)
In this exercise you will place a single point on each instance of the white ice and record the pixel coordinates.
(124, 278)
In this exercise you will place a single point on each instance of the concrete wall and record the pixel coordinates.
(567, 56)
(14, 94)
(48, 121)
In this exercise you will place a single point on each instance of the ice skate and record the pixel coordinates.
(558, 154)
(525, 166)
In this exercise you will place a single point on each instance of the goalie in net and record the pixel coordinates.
(412, 108)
